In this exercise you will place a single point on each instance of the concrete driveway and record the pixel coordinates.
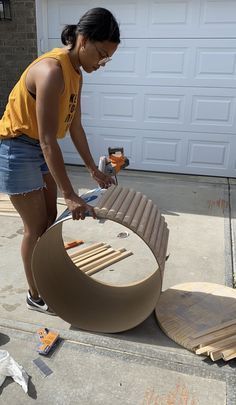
(142, 365)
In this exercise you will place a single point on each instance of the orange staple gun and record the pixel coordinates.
(47, 340)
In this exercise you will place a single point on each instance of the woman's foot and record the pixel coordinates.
(38, 305)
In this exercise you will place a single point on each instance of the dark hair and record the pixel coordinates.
(97, 24)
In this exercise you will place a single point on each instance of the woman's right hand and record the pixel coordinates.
(78, 207)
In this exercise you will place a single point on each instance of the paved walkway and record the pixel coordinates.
(140, 366)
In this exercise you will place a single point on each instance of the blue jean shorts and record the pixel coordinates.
(22, 165)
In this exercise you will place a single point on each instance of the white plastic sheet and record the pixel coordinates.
(10, 368)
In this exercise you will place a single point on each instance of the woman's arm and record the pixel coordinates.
(80, 141)
(49, 85)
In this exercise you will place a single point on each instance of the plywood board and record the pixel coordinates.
(200, 317)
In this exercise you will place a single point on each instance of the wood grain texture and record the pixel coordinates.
(200, 317)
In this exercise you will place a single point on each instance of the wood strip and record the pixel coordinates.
(118, 203)
(164, 243)
(217, 345)
(86, 249)
(4, 197)
(132, 209)
(226, 353)
(9, 214)
(150, 224)
(105, 197)
(94, 258)
(7, 208)
(214, 328)
(214, 337)
(159, 237)
(144, 219)
(91, 253)
(125, 206)
(95, 263)
(139, 212)
(111, 200)
(229, 354)
(155, 230)
(110, 262)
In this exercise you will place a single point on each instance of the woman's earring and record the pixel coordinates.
(82, 48)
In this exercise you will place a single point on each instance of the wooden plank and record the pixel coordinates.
(125, 206)
(144, 219)
(111, 200)
(214, 336)
(132, 209)
(155, 230)
(95, 263)
(117, 203)
(217, 345)
(109, 262)
(90, 253)
(86, 249)
(215, 328)
(139, 213)
(94, 258)
(150, 224)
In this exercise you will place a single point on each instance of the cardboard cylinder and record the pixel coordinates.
(83, 301)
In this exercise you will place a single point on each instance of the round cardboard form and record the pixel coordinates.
(90, 304)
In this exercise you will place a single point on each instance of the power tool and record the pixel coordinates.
(115, 161)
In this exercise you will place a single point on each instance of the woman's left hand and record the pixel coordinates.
(102, 179)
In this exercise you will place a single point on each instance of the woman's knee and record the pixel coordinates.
(36, 230)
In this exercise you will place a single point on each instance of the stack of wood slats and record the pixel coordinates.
(218, 342)
(135, 211)
(6, 207)
(200, 317)
(98, 256)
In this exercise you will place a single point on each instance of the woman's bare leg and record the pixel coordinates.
(38, 210)
(32, 209)
(50, 194)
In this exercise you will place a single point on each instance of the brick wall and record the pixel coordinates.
(18, 46)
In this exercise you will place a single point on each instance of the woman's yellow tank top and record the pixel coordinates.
(20, 113)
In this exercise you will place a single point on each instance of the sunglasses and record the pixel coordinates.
(103, 59)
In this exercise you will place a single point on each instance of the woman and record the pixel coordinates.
(42, 107)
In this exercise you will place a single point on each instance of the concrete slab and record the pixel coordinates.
(84, 374)
(197, 211)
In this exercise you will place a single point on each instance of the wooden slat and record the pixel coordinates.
(144, 219)
(209, 338)
(150, 224)
(121, 256)
(95, 263)
(86, 249)
(125, 206)
(215, 328)
(91, 253)
(139, 213)
(117, 204)
(94, 258)
(132, 209)
(116, 192)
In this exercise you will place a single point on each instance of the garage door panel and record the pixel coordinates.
(168, 95)
(162, 19)
(177, 62)
(161, 150)
(161, 108)
(208, 153)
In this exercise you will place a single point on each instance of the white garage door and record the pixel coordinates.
(168, 96)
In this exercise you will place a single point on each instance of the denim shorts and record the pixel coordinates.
(22, 165)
